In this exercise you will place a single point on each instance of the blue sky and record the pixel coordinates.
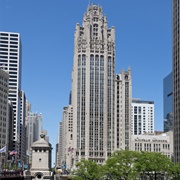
(143, 42)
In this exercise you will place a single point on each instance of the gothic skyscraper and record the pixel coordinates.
(93, 79)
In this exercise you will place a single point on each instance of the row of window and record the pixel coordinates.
(3, 48)
(8, 57)
(6, 42)
(7, 34)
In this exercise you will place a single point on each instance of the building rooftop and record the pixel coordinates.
(137, 100)
(41, 142)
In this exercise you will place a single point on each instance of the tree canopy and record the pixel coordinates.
(121, 165)
(128, 165)
(154, 164)
(87, 169)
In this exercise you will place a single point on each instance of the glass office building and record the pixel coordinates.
(168, 102)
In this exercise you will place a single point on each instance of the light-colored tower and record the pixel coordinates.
(69, 149)
(33, 128)
(39, 127)
(28, 107)
(123, 99)
(59, 157)
(66, 149)
(176, 77)
(63, 139)
(93, 79)
(10, 61)
(4, 119)
(142, 116)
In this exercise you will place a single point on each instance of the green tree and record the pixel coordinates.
(154, 164)
(87, 170)
(121, 165)
(176, 171)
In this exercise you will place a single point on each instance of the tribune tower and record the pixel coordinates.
(93, 78)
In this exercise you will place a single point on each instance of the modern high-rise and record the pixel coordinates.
(10, 61)
(176, 77)
(123, 99)
(168, 102)
(142, 116)
(93, 83)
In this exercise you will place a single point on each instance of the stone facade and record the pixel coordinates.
(162, 143)
(93, 78)
(41, 160)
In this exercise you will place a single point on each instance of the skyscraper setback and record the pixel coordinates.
(93, 78)
(10, 61)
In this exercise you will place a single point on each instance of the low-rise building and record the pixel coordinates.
(152, 142)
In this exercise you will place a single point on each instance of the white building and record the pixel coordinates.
(93, 83)
(10, 61)
(162, 143)
(142, 116)
(66, 149)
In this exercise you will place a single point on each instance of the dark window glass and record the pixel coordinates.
(12, 42)
(13, 46)
(14, 35)
(4, 42)
(15, 39)
(3, 34)
(2, 45)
